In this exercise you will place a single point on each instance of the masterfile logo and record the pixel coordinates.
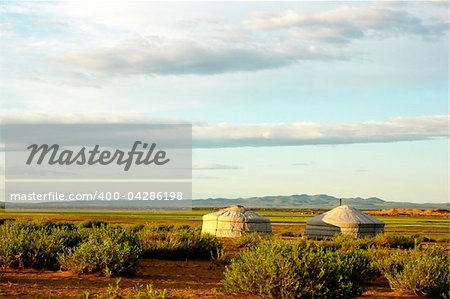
(98, 151)
(149, 155)
(147, 164)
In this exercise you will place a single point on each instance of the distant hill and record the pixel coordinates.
(298, 201)
(319, 201)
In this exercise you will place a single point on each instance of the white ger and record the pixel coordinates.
(234, 221)
(343, 220)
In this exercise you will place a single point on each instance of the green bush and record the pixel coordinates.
(34, 244)
(92, 224)
(178, 243)
(250, 239)
(162, 227)
(423, 272)
(220, 257)
(291, 234)
(3, 220)
(287, 269)
(134, 229)
(110, 251)
(92, 246)
(396, 241)
(346, 242)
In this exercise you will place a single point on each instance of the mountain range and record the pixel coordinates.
(297, 201)
(319, 201)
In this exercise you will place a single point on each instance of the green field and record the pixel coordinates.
(54, 256)
(283, 220)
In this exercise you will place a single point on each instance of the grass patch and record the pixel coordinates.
(422, 272)
(177, 242)
(346, 242)
(291, 269)
(250, 240)
(34, 244)
(110, 251)
(95, 247)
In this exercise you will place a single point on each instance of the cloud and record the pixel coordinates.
(163, 56)
(300, 164)
(342, 25)
(271, 134)
(124, 39)
(205, 177)
(233, 49)
(17, 116)
(308, 133)
(214, 166)
(14, 8)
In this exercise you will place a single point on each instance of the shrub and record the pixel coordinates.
(134, 229)
(162, 227)
(220, 257)
(110, 251)
(178, 243)
(396, 241)
(286, 269)
(291, 234)
(3, 220)
(424, 272)
(63, 225)
(33, 244)
(250, 239)
(92, 224)
(346, 242)
(95, 247)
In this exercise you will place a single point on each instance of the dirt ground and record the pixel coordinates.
(181, 279)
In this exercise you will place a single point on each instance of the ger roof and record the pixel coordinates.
(344, 215)
(235, 213)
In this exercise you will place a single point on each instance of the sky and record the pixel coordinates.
(341, 98)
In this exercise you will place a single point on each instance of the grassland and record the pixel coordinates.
(432, 227)
(195, 275)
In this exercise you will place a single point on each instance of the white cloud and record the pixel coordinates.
(271, 134)
(285, 134)
(139, 38)
(301, 164)
(10, 7)
(159, 55)
(225, 49)
(345, 24)
(214, 166)
(15, 116)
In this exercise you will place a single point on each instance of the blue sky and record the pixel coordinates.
(344, 98)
